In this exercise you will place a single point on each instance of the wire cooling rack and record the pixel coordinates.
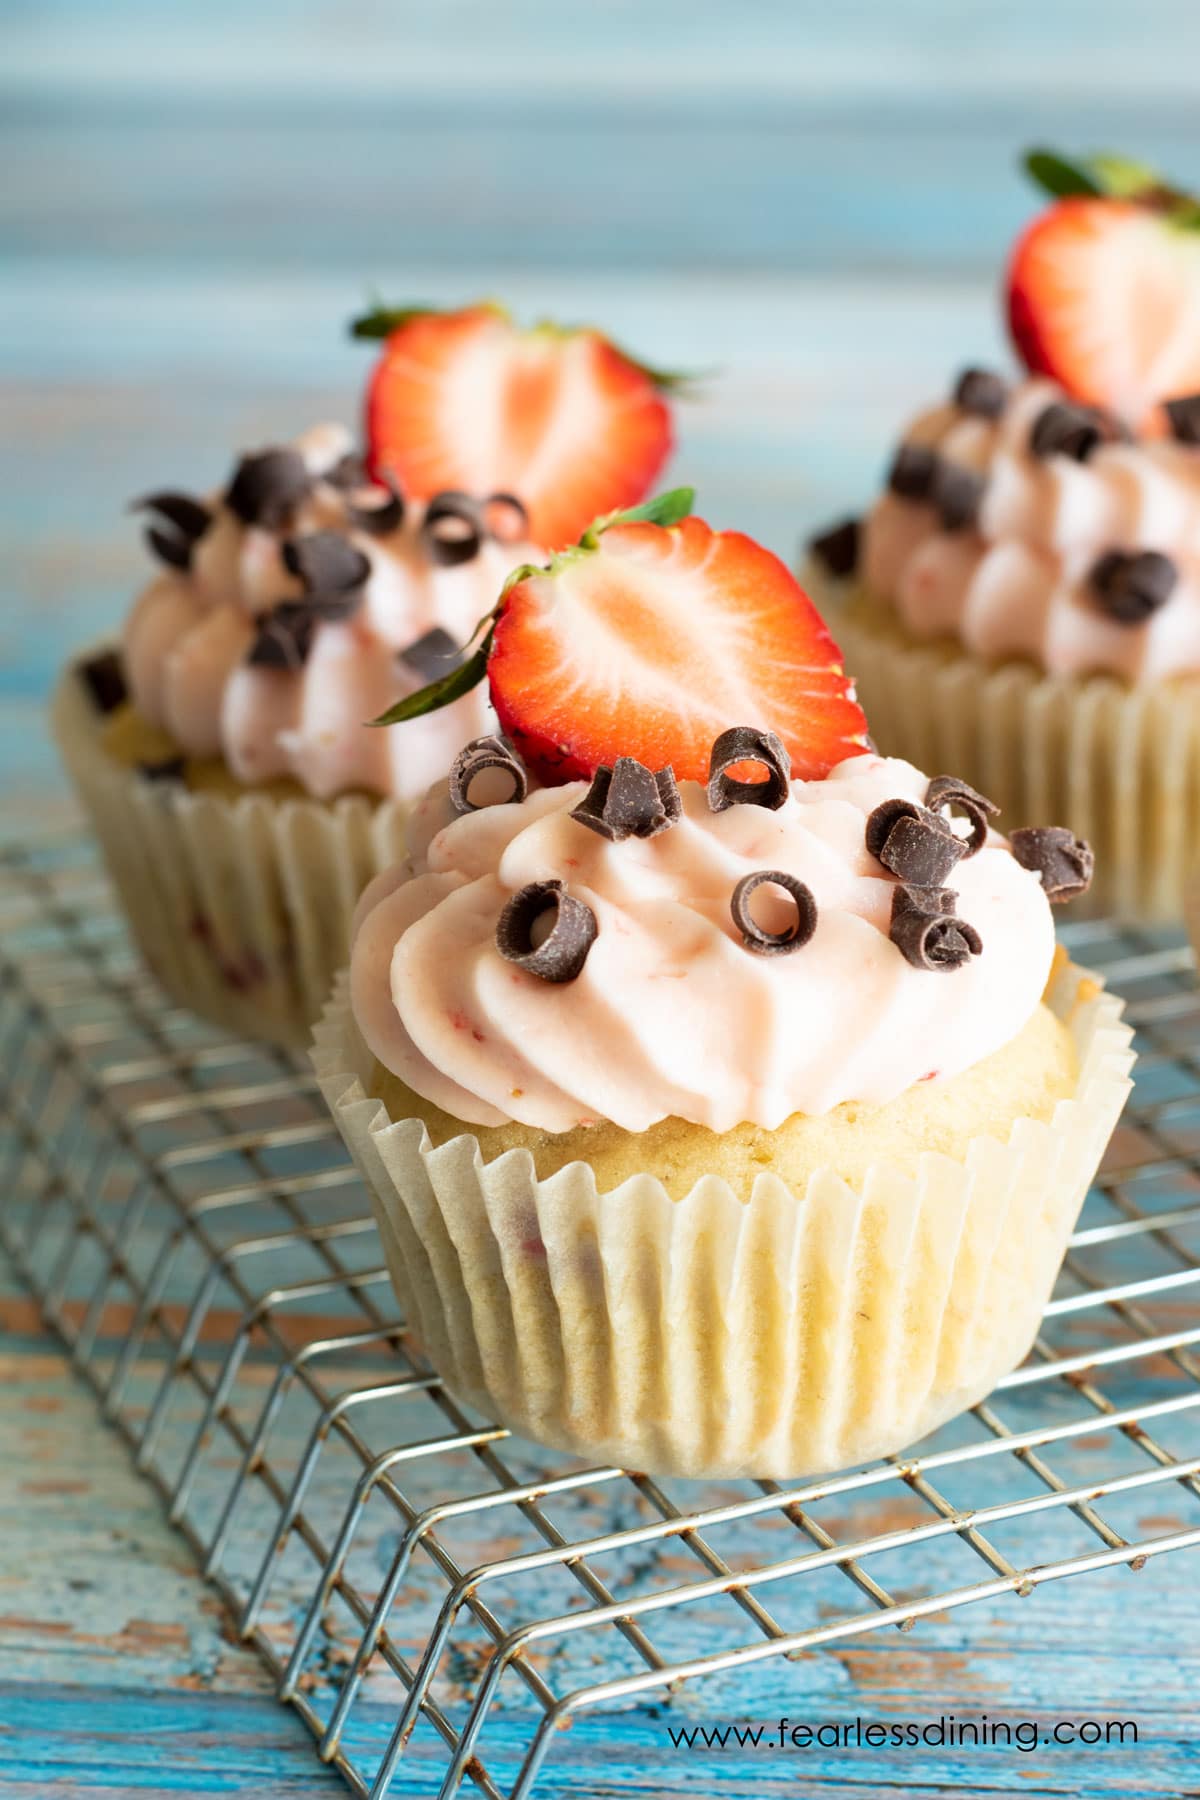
(435, 1598)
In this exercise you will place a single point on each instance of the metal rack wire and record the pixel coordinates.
(185, 1213)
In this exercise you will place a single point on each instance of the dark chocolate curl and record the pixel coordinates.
(268, 486)
(505, 518)
(190, 518)
(452, 529)
(433, 654)
(629, 801)
(1183, 416)
(326, 562)
(561, 955)
(1063, 862)
(981, 392)
(957, 493)
(921, 851)
(284, 637)
(838, 548)
(755, 936)
(176, 552)
(926, 932)
(912, 472)
(880, 822)
(493, 752)
(1130, 585)
(379, 520)
(948, 791)
(349, 471)
(1062, 430)
(744, 743)
(104, 678)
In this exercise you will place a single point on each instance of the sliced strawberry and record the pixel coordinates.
(1104, 289)
(649, 641)
(558, 417)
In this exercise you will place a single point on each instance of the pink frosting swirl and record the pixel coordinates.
(671, 1015)
(188, 634)
(1016, 584)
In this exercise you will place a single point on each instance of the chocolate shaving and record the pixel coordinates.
(104, 677)
(492, 752)
(166, 768)
(629, 801)
(176, 552)
(915, 845)
(349, 471)
(505, 518)
(957, 493)
(432, 655)
(1063, 862)
(912, 471)
(188, 519)
(1063, 430)
(268, 486)
(927, 933)
(880, 822)
(838, 548)
(284, 636)
(1130, 585)
(381, 519)
(756, 937)
(561, 955)
(326, 562)
(981, 392)
(1183, 416)
(452, 529)
(948, 791)
(743, 743)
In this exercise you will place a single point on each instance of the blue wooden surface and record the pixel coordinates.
(811, 201)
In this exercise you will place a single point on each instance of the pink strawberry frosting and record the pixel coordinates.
(1016, 584)
(672, 1015)
(187, 637)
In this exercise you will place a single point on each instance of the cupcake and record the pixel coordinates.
(723, 1126)
(222, 746)
(1022, 602)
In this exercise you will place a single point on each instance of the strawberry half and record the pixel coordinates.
(557, 416)
(1104, 287)
(649, 641)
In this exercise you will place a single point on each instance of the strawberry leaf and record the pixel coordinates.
(1123, 178)
(1059, 177)
(382, 320)
(663, 509)
(442, 692)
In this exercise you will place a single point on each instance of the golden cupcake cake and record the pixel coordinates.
(222, 745)
(724, 1101)
(1022, 602)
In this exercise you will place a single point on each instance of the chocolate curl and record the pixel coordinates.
(1063, 862)
(561, 955)
(756, 937)
(947, 791)
(744, 743)
(926, 931)
(491, 752)
(629, 800)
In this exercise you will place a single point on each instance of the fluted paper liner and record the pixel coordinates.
(241, 906)
(779, 1336)
(1120, 765)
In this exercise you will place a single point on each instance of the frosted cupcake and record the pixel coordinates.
(1022, 603)
(223, 747)
(732, 1127)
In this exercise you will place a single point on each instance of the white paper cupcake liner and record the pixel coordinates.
(779, 1336)
(240, 906)
(1119, 765)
